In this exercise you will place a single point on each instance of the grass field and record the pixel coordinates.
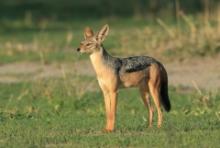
(68, 111)
(48, 114)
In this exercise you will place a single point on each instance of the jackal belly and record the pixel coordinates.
(132, 79)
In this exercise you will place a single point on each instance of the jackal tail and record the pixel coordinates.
(164, 97)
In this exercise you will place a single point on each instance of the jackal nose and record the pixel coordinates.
(78, 49)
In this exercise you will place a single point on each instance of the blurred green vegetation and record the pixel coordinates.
(56, 41)
(68, 9)
(49, 31)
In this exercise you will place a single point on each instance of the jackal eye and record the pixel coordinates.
(88, 44)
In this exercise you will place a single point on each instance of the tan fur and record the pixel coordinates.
(133, 79)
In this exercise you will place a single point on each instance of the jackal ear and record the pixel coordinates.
(100, 37)
(88, 32)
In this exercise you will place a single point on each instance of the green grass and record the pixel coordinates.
(53, 113)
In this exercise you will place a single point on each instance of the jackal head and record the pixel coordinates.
(92, 42)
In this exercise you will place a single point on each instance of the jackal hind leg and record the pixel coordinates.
(154, 90)
(146, 99)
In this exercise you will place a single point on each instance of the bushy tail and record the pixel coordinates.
(164, 97)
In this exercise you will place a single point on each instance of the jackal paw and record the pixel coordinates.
(159, 126)
(108, 130)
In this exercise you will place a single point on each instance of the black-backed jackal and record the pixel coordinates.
(113, 73)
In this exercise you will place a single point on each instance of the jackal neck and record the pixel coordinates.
(101, 60)
(102, 55)
(106, 56)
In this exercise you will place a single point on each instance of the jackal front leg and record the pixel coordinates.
(110, 106)
(112, 113)
(107, 107)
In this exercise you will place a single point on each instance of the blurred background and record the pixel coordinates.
(167, 27)
(38, 38)
(69, 9)
(50, 31)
